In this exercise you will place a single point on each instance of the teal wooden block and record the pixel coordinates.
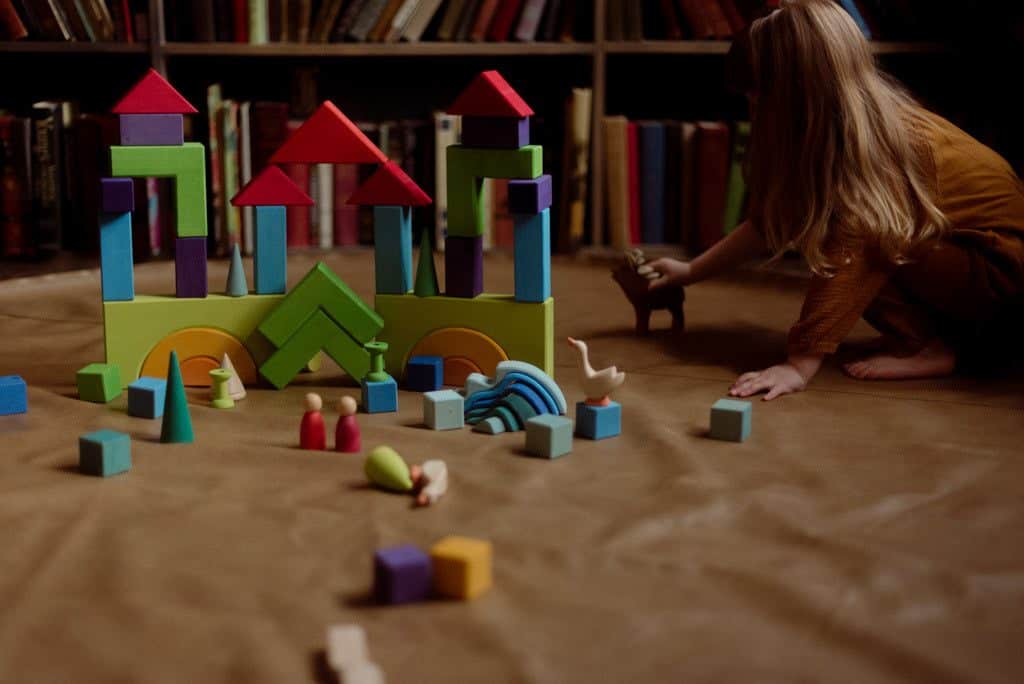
(549, 436)
(146, 397)
(598, 422)
(186, 164)
(116, 277)
(99, 382)
(533, 257)
(104, 453)
(392, 249)
(270, 256)
(730, 420)
(443, 410)
(380, 396)
(467, 166)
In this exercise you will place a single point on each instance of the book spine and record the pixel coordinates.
(466, 20)
(582, 103)
(652, 182)
(325, 205)
(420, 20)
(55, 24)
(16, 193)
(567, 26)
(229, 142)
(215, 156)
(402, 17)
(616, 181)
(240, 15)
(550, 30)
(47, 185)
(529, 20)
(245, 173)
(366, 20)
(687, 188)
(673, 31)
(633, 159)
(380, 29)
(259, 30)
(503, 20)
(99, 17)
(346, 216)
(450, 20)
(11, 26)
(347, 19)
(484, 19)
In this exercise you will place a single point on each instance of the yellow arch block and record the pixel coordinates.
(464, 351)
(200, 351)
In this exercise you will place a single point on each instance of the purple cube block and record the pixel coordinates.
(152, 129)
(190, 267)
(464, 266)
(495, 131)
(401, 574)
(117, 195)
(529, 196)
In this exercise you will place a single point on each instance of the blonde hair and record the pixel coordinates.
(832, 146)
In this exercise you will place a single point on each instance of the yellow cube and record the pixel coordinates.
(462, 567)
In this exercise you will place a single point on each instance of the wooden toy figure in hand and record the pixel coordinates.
(634, 276)
(598, 417)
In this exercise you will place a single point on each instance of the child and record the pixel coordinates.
(902, 218)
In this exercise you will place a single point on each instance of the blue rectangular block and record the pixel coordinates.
(529, 196)
(598, 422)
(190, 267)
(152, 129)
(104, 453)
(117, 195)
(392, 249)
(146, 397)
(380, 397)
(533, 257)
(730, 420)
(270, 257)
(13, 395)
(424, 373)
(116, 257)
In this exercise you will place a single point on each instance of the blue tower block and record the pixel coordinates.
(392, 249)
(533, 257)
(116, 257)
(270, 258)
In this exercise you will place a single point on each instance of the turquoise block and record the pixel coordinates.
(104, 453)
(598, 422)
(442, 410)
(270, 257)
(116, 257)
(392, 249)
(146, 397)
(730, 420)
(533, 257)
(549, 436)
(380, 397)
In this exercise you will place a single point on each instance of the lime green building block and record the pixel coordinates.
(467, 166)
(525, 330)
(132, 329)
(318, 332)
(99, 382)
(321, 289)
(186, 164)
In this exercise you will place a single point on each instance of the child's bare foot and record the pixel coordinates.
(934, 361)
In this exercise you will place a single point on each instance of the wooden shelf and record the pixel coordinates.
(60, 48)
(425, 49)
(720, 47)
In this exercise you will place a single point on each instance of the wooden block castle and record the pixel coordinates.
(274, 333)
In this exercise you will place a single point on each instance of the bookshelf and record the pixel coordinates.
(597, 55)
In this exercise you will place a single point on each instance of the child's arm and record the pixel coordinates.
(738, 247)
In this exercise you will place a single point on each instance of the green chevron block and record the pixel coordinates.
(318, 332)
(467, 167)
(186, 164)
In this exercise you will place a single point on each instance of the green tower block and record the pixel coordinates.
(468, 166)
(186, 164)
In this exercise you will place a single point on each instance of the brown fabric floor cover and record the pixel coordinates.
(865, 532)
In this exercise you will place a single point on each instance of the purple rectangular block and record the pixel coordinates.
(529, 197)
(117, 195)
(152, 129)
(190, 267)
(464, 266)
(495, 131)
(401, 574)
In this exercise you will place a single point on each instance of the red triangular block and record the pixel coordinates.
(490, 95)
(271, 188)
(390, 186)
(328, 137)
(153, 95)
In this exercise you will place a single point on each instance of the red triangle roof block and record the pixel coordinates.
(490, 95)
(328, 137)
(390, 186)
(153, 95)
(271, 188)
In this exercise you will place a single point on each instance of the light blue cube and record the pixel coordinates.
(730, 420)
(380, 396)
(443, 410)
(104, 453)
(146, 397)
(598, 422)
(549, 436)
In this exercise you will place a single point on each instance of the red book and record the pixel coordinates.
(346, 216)
(501, 27)
(483, 20)
(241, 16)
(633, 156)
(673, 31)
(712, 178)
(298, 216)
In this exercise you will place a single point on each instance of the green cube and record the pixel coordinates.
(549, 436)
(99, 382)
(730, 420)
(104, 453)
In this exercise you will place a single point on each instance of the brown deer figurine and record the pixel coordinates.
(645, 300)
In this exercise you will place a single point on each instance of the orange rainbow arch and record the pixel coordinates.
(200, 351)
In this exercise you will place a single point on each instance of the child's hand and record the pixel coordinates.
(673, 272)
(777, 380)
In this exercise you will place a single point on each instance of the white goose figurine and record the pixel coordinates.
(597, 385)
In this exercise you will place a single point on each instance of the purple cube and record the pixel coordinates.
(529, 196)
(401, 574)
(152, 129)
(190, 267)
(117, 195)
(463, 266)
(495, 132)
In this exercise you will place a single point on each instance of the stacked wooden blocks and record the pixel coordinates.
(13, 395)
(380, 391)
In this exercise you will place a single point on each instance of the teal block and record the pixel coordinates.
(443, 410)
(146, 397)
(270, 256)
(730, 420)
(392, 249)
(104, 453)
(598, 422)
(533, 257)
(186, 164)
(116, 276)
(467, 166)
(549, 436)
(380, 396)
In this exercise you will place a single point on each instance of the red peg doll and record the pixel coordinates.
(312, 434)
(346, 435)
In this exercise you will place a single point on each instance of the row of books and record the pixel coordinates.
(673, 182)
(93, 21)
(379, 21)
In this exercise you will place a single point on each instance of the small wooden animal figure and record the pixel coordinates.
(634, 276)
(429, 481)
(597, 385)
(347, 438)
(311, 433)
